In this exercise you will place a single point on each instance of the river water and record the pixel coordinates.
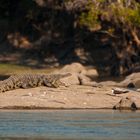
(69, 125)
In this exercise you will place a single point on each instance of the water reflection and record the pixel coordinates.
(69, 124)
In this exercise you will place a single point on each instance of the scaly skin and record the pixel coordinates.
(32, 80)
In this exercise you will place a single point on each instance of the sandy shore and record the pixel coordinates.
(72, 97)
(82, 93)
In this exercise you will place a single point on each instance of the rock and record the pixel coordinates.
(80, 75)
(90, 73)
(79, 68)
(86, 81)
(78, 79)
(73, 68)
(109, 83)
(131, 81)
(136, 82)
(83, 79)
(133, 75)
(126, 103)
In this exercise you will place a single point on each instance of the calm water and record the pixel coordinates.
(69, 124)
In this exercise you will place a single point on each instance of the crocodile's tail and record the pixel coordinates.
(9, 83)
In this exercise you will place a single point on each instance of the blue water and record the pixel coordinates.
(69, 125)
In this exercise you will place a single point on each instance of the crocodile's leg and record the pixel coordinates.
(17, 85)
(54, 83)
(57, 83)
(25, 85)
(47, 83)
(35, 83)
(40, 83)
(2, 88)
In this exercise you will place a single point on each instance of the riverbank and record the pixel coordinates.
(80, 93)
(72, 97)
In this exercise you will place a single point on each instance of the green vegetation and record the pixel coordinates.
(90, 18)
(115, 12)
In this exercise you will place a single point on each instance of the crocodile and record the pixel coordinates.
(32, 80)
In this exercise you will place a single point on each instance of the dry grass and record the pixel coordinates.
(8, 69)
